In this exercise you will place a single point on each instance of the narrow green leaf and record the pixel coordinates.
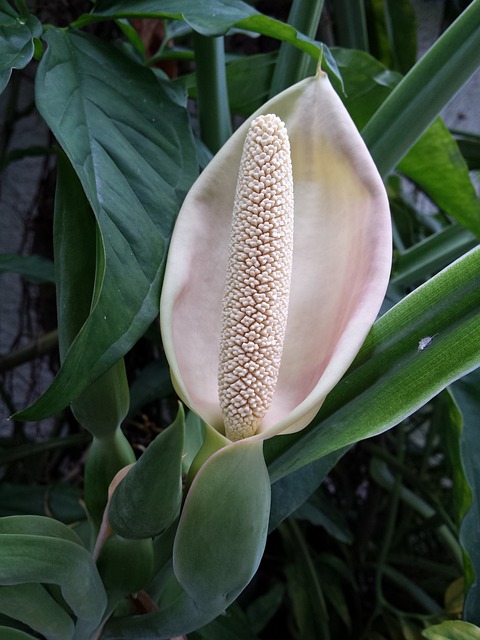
(421, 345)
(38, 558)
(129, 141)
(35, 607)
(303, 586)
(223, 527)
(432, 254)
(351, 24)
(434, 163)
(401, 25)
(425, 90)
(35, 269)
(452, 630)
(148, 499)
(465, 393)
(14, 634)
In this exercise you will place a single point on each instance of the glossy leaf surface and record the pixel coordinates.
(148, 499)
(222, 530)
(128, 139)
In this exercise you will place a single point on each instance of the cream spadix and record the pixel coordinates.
(255, 304)
(341, 262)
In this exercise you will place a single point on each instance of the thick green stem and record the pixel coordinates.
(212, 95)
(292, 64)
(351, 24)
(418, 99)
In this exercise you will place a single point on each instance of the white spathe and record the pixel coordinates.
(341, 261)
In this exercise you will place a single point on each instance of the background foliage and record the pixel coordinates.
(370, 538)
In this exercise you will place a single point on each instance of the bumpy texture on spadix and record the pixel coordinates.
(259, 273)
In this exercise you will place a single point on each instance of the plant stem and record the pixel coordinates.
(351, 24)
(212, 95)
(292, 64)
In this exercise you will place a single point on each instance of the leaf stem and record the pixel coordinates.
(212, 95)
(351, 24)
(292, 64)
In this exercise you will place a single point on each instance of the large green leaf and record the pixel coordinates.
(148, 499)
(466, 394)
(128, 139)
(223, 527)
(209, 18)
(16, 41)
(218, 546)
(425, 342)
(34, 606)
(436, 165)
(38, 558)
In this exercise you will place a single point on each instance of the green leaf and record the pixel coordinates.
(38, 525)
(105, 458)
(248, 82)
(129, 141)
(148, 499)
(303, 586)
(291, 491)
(400, 26)
(61, 501)
(232, 626)
(452, 630)
(223, 527)
(425, 90)
(395, 373)
(126, 566)
(35, 269)
(436, 165)
(210, 18)
(465, 393)
(367, 82)
(16, 41)
(38, 558)
(14, 634)
(432, 254)
(35, 607)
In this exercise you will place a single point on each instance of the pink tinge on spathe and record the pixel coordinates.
(341, 261)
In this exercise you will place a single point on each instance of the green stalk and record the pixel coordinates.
(292, 64)
(212, 95)
(425, 91)
(351, 24)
